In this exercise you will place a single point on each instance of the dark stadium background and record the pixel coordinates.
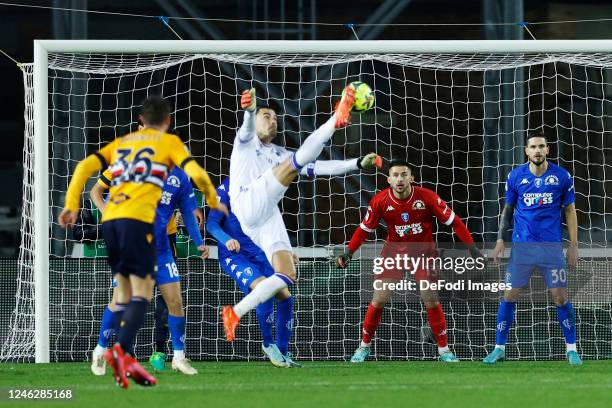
(22, 25)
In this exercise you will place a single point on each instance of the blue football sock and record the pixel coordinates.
(177, 331)
(265, 316)
(132, 321)
(567, 320)
(505, 317)
(161, 324)
(106, 327)
(284, 323)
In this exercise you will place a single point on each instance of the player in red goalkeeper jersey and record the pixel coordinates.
(409, 213)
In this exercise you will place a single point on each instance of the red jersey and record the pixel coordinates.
(409, 225)
(408, 220)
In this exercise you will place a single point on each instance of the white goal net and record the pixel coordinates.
(459, 119)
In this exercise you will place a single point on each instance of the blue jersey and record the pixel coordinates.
(176, 193)
(224, 228)
(538, 202)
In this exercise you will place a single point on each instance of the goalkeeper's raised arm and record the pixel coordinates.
(247, 102)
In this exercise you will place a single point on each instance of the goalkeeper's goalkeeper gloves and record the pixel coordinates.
(248, 100)
(343, 260)
(369, 161)
(475, 253)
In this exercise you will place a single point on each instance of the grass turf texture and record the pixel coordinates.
(335, 384)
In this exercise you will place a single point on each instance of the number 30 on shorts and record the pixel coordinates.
(172, 269)
(558, 275)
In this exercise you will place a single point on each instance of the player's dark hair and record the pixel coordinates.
(155, 110)
(395, 163)
(531, 136)
(265, 106)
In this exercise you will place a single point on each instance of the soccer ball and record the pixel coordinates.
(364, 96)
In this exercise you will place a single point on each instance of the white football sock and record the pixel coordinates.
(262, 292)
(502, 347)
(99, 350)
(178, 355)
(442, 350)
(363, 344)
(570, 347)
(313, 145)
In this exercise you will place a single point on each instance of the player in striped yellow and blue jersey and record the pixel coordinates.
(139, 164)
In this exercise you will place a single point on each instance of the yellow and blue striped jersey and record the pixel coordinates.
(138, 163)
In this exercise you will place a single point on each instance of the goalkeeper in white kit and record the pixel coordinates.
(261, 172)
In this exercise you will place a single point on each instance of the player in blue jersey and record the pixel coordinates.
(536, 193)
(247, 265)
(176, 193)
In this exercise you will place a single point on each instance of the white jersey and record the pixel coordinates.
(251, 158)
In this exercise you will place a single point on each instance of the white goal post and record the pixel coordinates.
(361, 49)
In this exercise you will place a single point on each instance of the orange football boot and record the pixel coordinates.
(137, 373)
(115, 358)
(230, 322)
(343, 108)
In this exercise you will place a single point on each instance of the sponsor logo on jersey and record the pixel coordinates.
(524, 181)
(173, 181)
(538, 182)
(389, 208)
(551, 180)
(531, 199)
(409, 229)
(405, 216)
(418, 205)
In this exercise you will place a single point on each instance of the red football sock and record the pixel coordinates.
(437, 322)
(371, 322)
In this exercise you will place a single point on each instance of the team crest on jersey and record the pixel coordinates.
(418, 205)
(405, 216)
(248, 271)
(119, 198)
(538, 182)
(551, 180)
(173, 181)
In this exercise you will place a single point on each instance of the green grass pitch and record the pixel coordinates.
(331, 384)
